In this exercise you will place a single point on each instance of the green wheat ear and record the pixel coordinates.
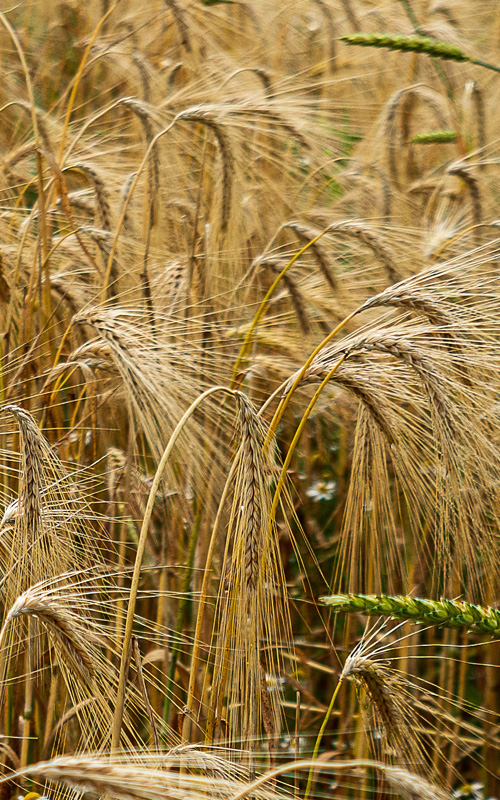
(411, 44)
(414, 44)
(445, 613)
(435, 137)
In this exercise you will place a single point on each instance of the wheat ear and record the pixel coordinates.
(435, 137)
(387, 692)
(60, 624)
(132, 781)
(415, 44)
(277, 265)
(204, 117)
(33, 445)
(411, 786)
(102, 201)
(444, 613)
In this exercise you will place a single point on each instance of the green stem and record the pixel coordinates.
(485, 64)
(320, 737)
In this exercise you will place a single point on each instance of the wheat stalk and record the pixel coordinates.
(444, 613)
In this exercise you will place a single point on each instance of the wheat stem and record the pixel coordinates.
(320, 736)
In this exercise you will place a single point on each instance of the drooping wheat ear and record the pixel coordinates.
(94, 354)
(408, 44)
(125, 191)
(443, 613)
(373, 241)
(261, 73)
(435, 137)
(432, 306)
(351, 14)
(373, 678)
(142, 68)
(305, 234)
(408, 95)
(205, 117)
(411, 786)
(330, 25)
(265, 78)
(405, 350)
(178, 15)
(102, 238)
(60, 183)
(277, 265)
(411, 354)
(254, 620)
(156, 779)
(278, 119)
(363, 391)
(386, 193)
(473, 186)
(79, 199)
(101, 196)
(4, 285)
(145, 116)
(40, 119)
(478, 99)
(413, 297)
(392, 716)
(63, 626)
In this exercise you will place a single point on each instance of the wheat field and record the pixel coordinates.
(250, 399)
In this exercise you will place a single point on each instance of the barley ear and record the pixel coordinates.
(444, 613)
(415, 44)
(408, 44)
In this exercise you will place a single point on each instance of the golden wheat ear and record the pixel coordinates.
(252, 615)
(392, 721)
(65, 629)
(169, 776)
(53, 528)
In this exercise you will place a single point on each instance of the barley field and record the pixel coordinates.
(250, 399)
